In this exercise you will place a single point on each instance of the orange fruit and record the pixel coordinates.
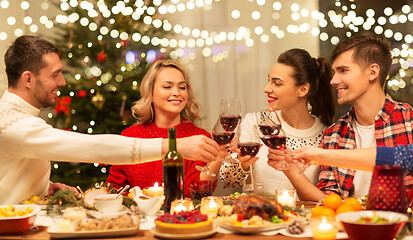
(327, 212)
(354, 203)
(344, 208)
(333, 201)
(317, 211)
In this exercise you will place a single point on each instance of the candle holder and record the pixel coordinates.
(181, 205)
(387, 190)
(286, 197)
(155, 191)
(211, 205)
(324, 228)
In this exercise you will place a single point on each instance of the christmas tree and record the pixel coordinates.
(106, 47)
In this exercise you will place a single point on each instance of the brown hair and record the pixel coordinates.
(316, 72)
(143, 109)
(368, 49)
(26, 54)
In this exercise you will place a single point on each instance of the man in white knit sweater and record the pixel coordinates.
(28, 143)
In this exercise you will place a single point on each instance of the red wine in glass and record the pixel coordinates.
(269, 129)
(230, 122)
(274, 141)
(223, 138)
(249, 148)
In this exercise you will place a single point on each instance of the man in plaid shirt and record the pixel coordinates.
(361, 65)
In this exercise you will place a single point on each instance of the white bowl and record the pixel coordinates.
(108, 203)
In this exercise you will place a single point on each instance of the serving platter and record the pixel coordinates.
(54, 232)
(184, 236)
(249, 229)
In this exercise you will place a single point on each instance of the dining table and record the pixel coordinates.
(41, 233)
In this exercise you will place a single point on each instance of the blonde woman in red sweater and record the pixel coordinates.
(167, 100)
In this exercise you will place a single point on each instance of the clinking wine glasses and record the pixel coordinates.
(270, 131)
(248, 142)
(224, 129)
(222, 137)
(229, 119)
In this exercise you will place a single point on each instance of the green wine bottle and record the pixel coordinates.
(173, 172)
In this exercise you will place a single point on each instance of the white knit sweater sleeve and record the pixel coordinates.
(31, 137)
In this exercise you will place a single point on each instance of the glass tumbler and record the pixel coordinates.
(200, 189)
(387, 190)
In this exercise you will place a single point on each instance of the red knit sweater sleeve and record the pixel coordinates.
(117, 176)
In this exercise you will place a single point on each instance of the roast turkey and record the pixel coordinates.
(257, 205)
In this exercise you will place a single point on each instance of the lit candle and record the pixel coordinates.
(211, 205)
(155, 191)
(287, 198)
(180, 205)
(324, 228)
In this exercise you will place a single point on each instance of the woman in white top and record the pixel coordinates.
(296, 83)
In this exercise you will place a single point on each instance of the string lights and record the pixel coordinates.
(188, 42)
(185, 38)
(199, 38)
(209, 43)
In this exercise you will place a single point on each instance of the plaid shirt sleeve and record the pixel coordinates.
(334, 179)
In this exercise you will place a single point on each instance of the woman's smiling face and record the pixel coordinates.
(281, 89)
(170, 92)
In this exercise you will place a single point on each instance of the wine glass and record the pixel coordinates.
(302, 166)
(222, 137)
(270, 132)
(223, 130)
(205, 169)
(249, 144)
(230, 117)
(230, 113)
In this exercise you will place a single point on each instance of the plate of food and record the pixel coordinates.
(56, 233)
(251, 214)
(123, 225)
(251, 226)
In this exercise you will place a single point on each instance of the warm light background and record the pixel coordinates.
(241, 72)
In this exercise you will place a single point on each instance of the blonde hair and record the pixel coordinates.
(143, 109)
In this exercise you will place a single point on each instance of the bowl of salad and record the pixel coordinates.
(372, 225)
